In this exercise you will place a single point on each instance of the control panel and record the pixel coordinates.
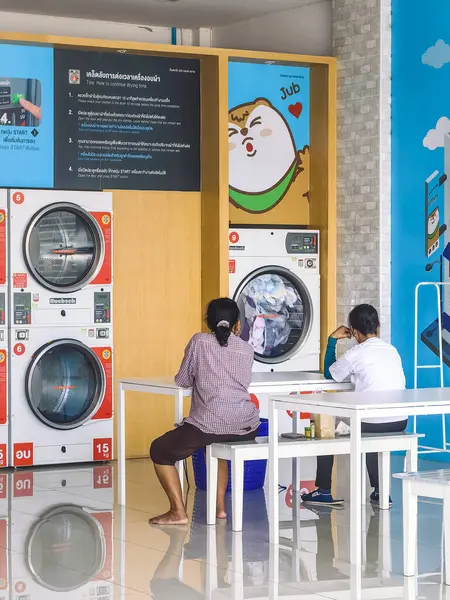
(22, 308)
(12, 91)
(102, 307)
(302, 242)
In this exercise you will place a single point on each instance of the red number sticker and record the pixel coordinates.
(234, 237)
(18, 198)
(19, 349)
(102, 449)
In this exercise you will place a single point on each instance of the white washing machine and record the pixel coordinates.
(61, 395)
(274, 278)
(60, 257)
(4, 320)
(62, 534)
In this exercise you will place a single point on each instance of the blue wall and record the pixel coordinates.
(420, 113)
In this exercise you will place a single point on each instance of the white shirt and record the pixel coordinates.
(372, 366)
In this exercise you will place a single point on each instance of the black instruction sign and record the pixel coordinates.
(126, 121)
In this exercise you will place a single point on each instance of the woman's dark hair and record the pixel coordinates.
(222, 315)
(364, 318)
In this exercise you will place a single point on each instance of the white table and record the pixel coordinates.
(262, 383)
(356, 406)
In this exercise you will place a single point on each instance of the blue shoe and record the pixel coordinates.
(375, 498)
(322, 497)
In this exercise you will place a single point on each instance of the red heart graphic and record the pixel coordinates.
(296, 109)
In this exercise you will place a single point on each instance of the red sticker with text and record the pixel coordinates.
(232, 266)
(106, 408)
(23, 454)
(20, 280)
(234, 237)
(2, 247)
(104, 221)
(4, 485)
(18, 198)
(102, 449)
(3, 456)
(23, 485)
(103, 477)
(3, 388)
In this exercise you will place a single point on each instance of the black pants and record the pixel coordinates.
(182, 442)
(325, 463)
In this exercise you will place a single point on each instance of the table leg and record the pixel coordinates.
(355, 490)
(179, 414)
(274, 526)
(121, 444)
(446, 520)
(409, 528)
(295, 461)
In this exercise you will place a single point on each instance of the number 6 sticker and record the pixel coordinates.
(19, 349)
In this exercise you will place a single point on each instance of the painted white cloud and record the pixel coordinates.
(435, 137)
(437, 56)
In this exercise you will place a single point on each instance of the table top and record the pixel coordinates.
(373, 400)
(258, 379)
(440, 476)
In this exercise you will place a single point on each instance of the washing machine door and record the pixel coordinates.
(63, 247)
(276, 313)
(65, 384)
(65, 549)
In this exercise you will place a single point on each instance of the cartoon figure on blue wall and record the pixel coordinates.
(437, 238)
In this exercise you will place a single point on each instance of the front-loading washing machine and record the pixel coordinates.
(60, 257)
(274, 278)
(4, 321)
(62, 534)
(61, 397)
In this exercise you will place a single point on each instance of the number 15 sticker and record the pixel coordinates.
(102, 449)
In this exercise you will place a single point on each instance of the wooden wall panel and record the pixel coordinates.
(157, 303)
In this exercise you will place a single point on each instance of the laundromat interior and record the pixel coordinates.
(171, 249)
(292, 156)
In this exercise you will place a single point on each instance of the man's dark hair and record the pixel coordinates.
(364, 318)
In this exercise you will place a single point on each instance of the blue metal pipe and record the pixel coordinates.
(174, 36)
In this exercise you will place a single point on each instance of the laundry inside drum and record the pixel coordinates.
(273, 315)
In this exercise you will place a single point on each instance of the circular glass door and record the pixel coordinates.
(65, 549)
(65, 384)
(63, 247)
(275, 312)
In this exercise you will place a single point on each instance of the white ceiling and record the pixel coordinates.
(183, 13)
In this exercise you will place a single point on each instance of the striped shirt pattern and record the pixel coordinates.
(220, 378)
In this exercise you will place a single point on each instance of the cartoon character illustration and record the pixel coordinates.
(263, 159)
(433, 231)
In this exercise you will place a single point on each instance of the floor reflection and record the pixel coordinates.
(63, 536)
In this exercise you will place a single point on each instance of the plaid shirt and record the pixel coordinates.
(220, 377)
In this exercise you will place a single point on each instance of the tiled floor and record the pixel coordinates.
(63, 536)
